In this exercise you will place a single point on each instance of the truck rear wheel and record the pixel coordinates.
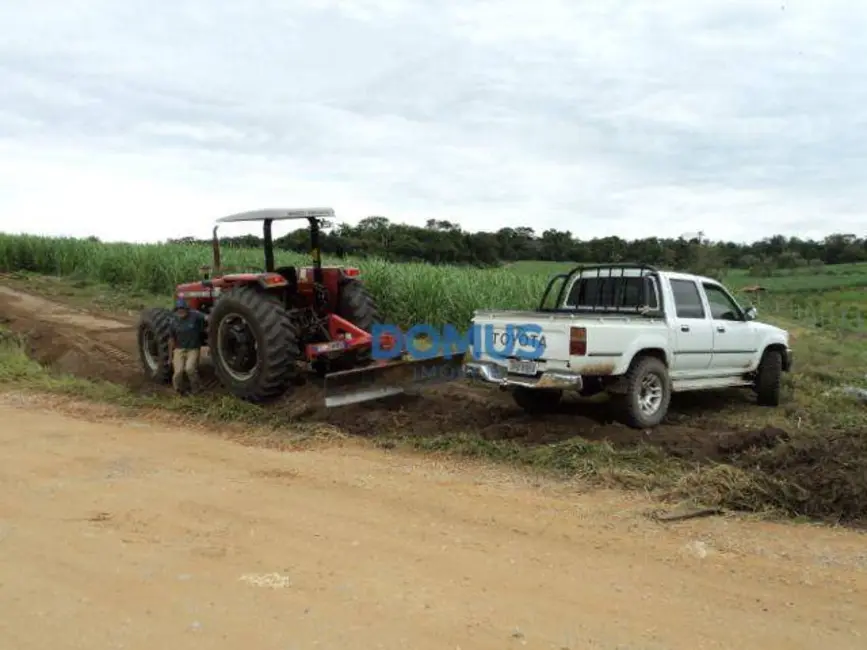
(537, 401)
(254, 344)
(648, 393)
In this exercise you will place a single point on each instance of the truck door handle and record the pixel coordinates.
(720, 328)
(684, 328)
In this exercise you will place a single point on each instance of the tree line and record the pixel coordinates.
(443, 242)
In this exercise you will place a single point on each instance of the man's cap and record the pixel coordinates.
(180, 303)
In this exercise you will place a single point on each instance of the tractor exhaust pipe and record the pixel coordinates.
(215, 245)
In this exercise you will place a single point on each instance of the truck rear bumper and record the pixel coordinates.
(493, 373)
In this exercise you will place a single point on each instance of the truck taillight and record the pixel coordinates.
(351, 272)
(577, 341)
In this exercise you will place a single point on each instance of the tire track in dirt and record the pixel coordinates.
(92, 346)
(72, 340)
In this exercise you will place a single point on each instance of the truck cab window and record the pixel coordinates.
(722, 307)
(612, 293)
(687, 299)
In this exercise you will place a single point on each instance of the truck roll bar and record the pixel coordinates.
(605, 272)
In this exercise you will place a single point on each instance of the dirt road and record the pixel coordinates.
(127, 535)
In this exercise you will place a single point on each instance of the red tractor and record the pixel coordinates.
(266, 328)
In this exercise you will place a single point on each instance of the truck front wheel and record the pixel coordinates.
(769, 378)
(648, 393)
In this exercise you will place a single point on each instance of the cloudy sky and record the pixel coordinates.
(141, 120)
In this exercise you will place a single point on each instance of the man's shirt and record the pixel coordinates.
(188, 331)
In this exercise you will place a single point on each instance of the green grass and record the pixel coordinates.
(838, 310)
(818, 281)
(18, 371)
(858, 268)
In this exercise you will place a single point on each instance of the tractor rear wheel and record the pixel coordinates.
(154, 337)
(356, 305)
(254, 344)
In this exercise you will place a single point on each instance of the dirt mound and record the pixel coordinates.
(819, 475)
(462, 407)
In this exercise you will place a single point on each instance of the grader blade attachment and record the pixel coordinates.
(383, 380)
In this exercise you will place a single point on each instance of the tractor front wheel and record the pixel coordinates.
(254, 344)
(154, 336)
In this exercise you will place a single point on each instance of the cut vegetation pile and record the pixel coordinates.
(813, 475)
(807, 458)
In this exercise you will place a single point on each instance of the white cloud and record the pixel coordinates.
(741, 118)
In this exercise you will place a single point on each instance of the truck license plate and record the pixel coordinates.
(520, 367)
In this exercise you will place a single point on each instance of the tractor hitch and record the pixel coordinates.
(343, 337)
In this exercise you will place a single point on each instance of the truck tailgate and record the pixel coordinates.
(608, 339)
(554, 335)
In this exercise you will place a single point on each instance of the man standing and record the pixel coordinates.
(188, 331)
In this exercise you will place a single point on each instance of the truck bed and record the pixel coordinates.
(610, 339)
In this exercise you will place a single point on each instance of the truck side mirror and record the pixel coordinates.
(751, 313)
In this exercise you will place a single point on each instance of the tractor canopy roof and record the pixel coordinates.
(277, 214)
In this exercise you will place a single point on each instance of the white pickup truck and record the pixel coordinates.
(637, 333)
